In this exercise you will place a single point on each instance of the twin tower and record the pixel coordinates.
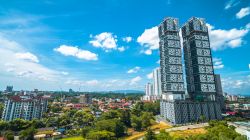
(199, 72)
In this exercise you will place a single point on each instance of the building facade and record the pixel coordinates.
(219, 92)
(24, 107)
(149, 89)
(170, 60)
(157, 82)
(85, 99)
(202, 104)
(198, 60)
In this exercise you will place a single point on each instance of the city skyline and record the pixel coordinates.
(94, 47)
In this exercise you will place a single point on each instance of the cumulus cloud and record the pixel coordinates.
(127, 39)
(149, 40)
(76, 52)
(121, 49)
(222, 39)
(243, 12)
(218, 63)
(134, 70)
(150, 75)
(105, 40)
(22, 65)
(135, 80)
(27, 56)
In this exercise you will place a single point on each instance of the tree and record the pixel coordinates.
(150, 135)
(146, 119)
(3, 125)
(136, 123)
(9, 135)
(126, 117)
(100, 135)
(112, 114)
(18, 124)
(163, 135)
(112, 125)
(83, 118)
(28, 134)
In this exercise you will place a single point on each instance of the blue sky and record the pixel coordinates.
(101, 45)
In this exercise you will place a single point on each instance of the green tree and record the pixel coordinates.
(18, 124)
(112, 125)
(9, 135)
(150, 135)
(3, 125)
(163, 135)
(136, 123)
(83, 118)
(125, 117)
(112, 114)
(100, 135)
(146, 119)
(28, 134)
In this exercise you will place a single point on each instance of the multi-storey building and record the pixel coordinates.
(149, 89)
(199, 73)
(85, 99)
(24, 107)
(157, 82)
(198, 60)
(219, 92)
(170, 60)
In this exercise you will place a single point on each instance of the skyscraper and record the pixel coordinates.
(170, 60)
(199, 73)
(198, 60)
(157, 82)
(219, 92)
(149, 89)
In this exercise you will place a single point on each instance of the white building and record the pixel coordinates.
(149, 89)
(25, 107)
(157, 82)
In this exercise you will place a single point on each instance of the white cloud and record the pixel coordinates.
(243, 12)
(105, 40)
(150, 75)
(27, 56)
(76, 52)
(121, 49)
(135, 80)
(134, 70)
(231, 3)
(64, 73)
(249, 66)
(148, 52)
(92, 82)
(149, 39)
(218, 63)
(221, 39)
(17, 64)
(158, 62)
(127, 39)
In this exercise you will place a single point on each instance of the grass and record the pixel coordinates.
(74, 138)
(135, 135)
(187, 133)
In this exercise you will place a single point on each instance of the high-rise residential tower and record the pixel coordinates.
(199, 73)
(149, 89)
(170, 60)
(198, 60)
(157, 82)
